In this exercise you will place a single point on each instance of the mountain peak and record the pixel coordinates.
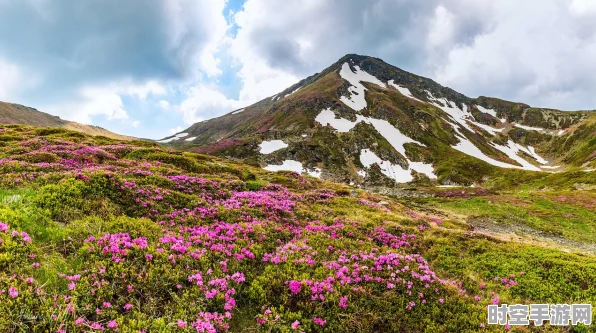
(364, 121)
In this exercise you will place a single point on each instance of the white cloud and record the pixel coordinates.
(141, 91)
(203, 102)
(175, 130)
(136, 123)
(104, 100)
(583, 6)
(164, 105)
(197, 20)
(10, 77)
(536, 53)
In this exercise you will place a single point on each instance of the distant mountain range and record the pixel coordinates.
(19, 114)
(363, 121)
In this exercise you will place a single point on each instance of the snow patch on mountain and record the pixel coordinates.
(485, 110)
(191, 138)
(237, 111)
(356, 99)
(536, 156)
(295, 166)
(316, 172)
(424, 168)
(512, 149)
(489, 129)
(268, 147)
(293, 92)
(462, 116)
(529, 128)
(168, 140)
(388, 131)
(287, 165)
(403, 90)
(174, 138)
(393, 171)
(327, 117)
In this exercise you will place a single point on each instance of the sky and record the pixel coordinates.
(151, 68)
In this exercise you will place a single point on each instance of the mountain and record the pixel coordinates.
(19, 114)
(362, 121)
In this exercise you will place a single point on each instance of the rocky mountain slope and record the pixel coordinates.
(18, 114)
(362, 121)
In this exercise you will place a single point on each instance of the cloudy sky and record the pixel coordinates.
(150, 68)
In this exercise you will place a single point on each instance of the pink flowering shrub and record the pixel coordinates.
(115, 236)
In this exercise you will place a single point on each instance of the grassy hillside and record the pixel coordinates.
(98, 234)
(19, 114)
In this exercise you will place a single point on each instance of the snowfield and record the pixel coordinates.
(287, 165)
(388, 131)
(295, 166)
(404, 91)
(356, 99)
(529, 128)
(268, 147)
(174, 138)
(485, 110)
(293, 92)
(393, 171)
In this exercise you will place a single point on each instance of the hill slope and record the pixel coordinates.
(364, 121)
(98, 234)
(19, 114)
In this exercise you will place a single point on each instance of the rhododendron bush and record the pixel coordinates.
(110, 236)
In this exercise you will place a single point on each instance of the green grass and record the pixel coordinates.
(573, 219)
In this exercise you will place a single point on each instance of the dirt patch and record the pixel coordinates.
(522, 233)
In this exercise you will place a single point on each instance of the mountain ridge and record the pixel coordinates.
(11, 113)
(370, 96)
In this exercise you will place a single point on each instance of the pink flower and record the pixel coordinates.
(319, 321)
(295, 324)
(149, 257)
(496, 301)
(127, 306)
(13, 292)
(71, 286)
(181, 323)
(97, 326)
(343, 302)
(441, 300)
(79, 321)
(26, 237)
(477, 298)
(295, 287)
(107, 304)
(112, 324)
